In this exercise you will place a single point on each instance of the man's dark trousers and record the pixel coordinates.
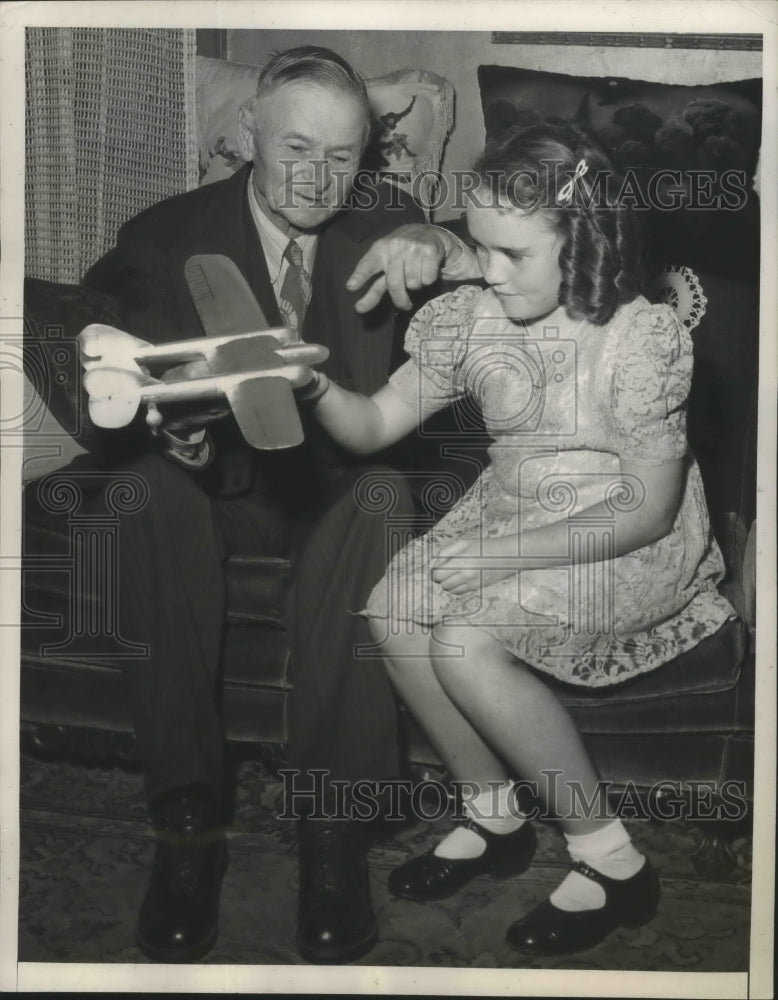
(342, 713)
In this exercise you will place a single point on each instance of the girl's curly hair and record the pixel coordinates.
(529, 167)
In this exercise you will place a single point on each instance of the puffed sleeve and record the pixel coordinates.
(651, 379)
(436, 342)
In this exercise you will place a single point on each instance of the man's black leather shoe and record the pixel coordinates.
(430, 877)
(335, 919)
(547, 930)
(178, 917)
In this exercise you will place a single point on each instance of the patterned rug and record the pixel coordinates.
(86, 848)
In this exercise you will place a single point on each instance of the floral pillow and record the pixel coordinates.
(413, 113)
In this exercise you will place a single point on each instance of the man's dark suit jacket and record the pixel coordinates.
(144, 274)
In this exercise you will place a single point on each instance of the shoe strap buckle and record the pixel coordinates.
(591, 873)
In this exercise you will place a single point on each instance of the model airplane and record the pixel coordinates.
(253, 367)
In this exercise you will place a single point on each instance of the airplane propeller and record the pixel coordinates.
(114, 395)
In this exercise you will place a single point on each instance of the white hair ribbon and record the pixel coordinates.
(566, 193)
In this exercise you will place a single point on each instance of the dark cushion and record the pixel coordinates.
(646, 126)
(82, 693)
(685, 686)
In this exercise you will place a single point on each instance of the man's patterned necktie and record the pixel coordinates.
(295, 288)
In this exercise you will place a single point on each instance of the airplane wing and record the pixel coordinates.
(263, 406)
(222, 297)
(266, 412)
(249, 355)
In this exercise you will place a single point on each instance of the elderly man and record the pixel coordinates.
(282, 220)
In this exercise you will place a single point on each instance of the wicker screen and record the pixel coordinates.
(110, 130)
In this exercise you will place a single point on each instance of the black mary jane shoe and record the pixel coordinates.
(335, 919)
(547, 930)
(430, 877)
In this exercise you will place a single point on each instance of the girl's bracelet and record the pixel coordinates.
(315, 389)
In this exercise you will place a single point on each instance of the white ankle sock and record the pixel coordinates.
(461, 843)
(495, 810)
(608, 850)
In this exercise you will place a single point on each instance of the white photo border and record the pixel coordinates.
(723, 16)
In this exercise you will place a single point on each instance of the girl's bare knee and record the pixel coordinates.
(459, 652)
(456, 649)
(456, 642)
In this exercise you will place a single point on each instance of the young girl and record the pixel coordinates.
(583, 552)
